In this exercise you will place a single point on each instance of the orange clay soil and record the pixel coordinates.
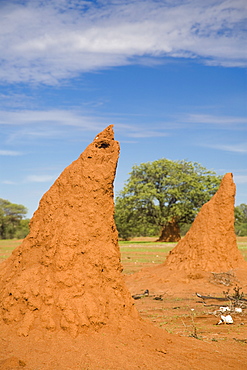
(66, 274)
(207, 253)
(64, 304)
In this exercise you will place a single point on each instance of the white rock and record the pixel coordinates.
(238, 309)
(227, 319)
(224, 309)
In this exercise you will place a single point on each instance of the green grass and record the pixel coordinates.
(136, 256)
(243, 249)
(9, 243)
(7, 246)
(131, 251)
(153, 250)
(154, 244)
(128, 242)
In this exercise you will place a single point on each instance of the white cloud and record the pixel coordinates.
(53, 116)
(31, 124)
(45, 41)
(216, 120)
(240, 179)
(142, 134)
(57, 123)
(8, 182)
(38, 124)
(240, 148)
(237, 148)
(9, 153)
(39, 178)
(53, 123)
(15, 100)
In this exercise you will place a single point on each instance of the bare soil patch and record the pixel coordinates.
(183, 313)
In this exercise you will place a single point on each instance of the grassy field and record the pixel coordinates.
(7, 246)
(134, 253)
(180, 315)
(242, 245)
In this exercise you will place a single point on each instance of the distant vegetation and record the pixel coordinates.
(13, 223)
(160, 192)
(131, 221)
(241, 220)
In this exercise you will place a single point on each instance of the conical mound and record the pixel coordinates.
(208, 247)
(66, 273)
(210, 244)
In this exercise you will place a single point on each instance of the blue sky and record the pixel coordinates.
(170, 75)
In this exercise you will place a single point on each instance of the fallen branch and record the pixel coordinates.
(210, 299)
(146, 294)
(235, 300)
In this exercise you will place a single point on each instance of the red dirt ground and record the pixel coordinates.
(181, 311)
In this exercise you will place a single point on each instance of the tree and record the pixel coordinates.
(23, 229)
(129, 224)
(241, 219)
(11, 216)
(162, 192)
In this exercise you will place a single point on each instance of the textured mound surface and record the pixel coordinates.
(66, 273)
(210, 244)
(209, 247)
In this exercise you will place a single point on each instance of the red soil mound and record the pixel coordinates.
(64, 304)
(209, 247)
(210, 244)
(66, 273)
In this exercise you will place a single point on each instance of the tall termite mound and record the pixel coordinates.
(66, 273)
(210, 244)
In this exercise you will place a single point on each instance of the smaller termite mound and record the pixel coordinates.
(210, 244)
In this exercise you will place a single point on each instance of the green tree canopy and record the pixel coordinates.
(241, 219)
(163, 191)
(11, 216)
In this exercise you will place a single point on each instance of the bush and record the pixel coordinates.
(241, 229)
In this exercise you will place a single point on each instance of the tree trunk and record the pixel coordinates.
(170, 232)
